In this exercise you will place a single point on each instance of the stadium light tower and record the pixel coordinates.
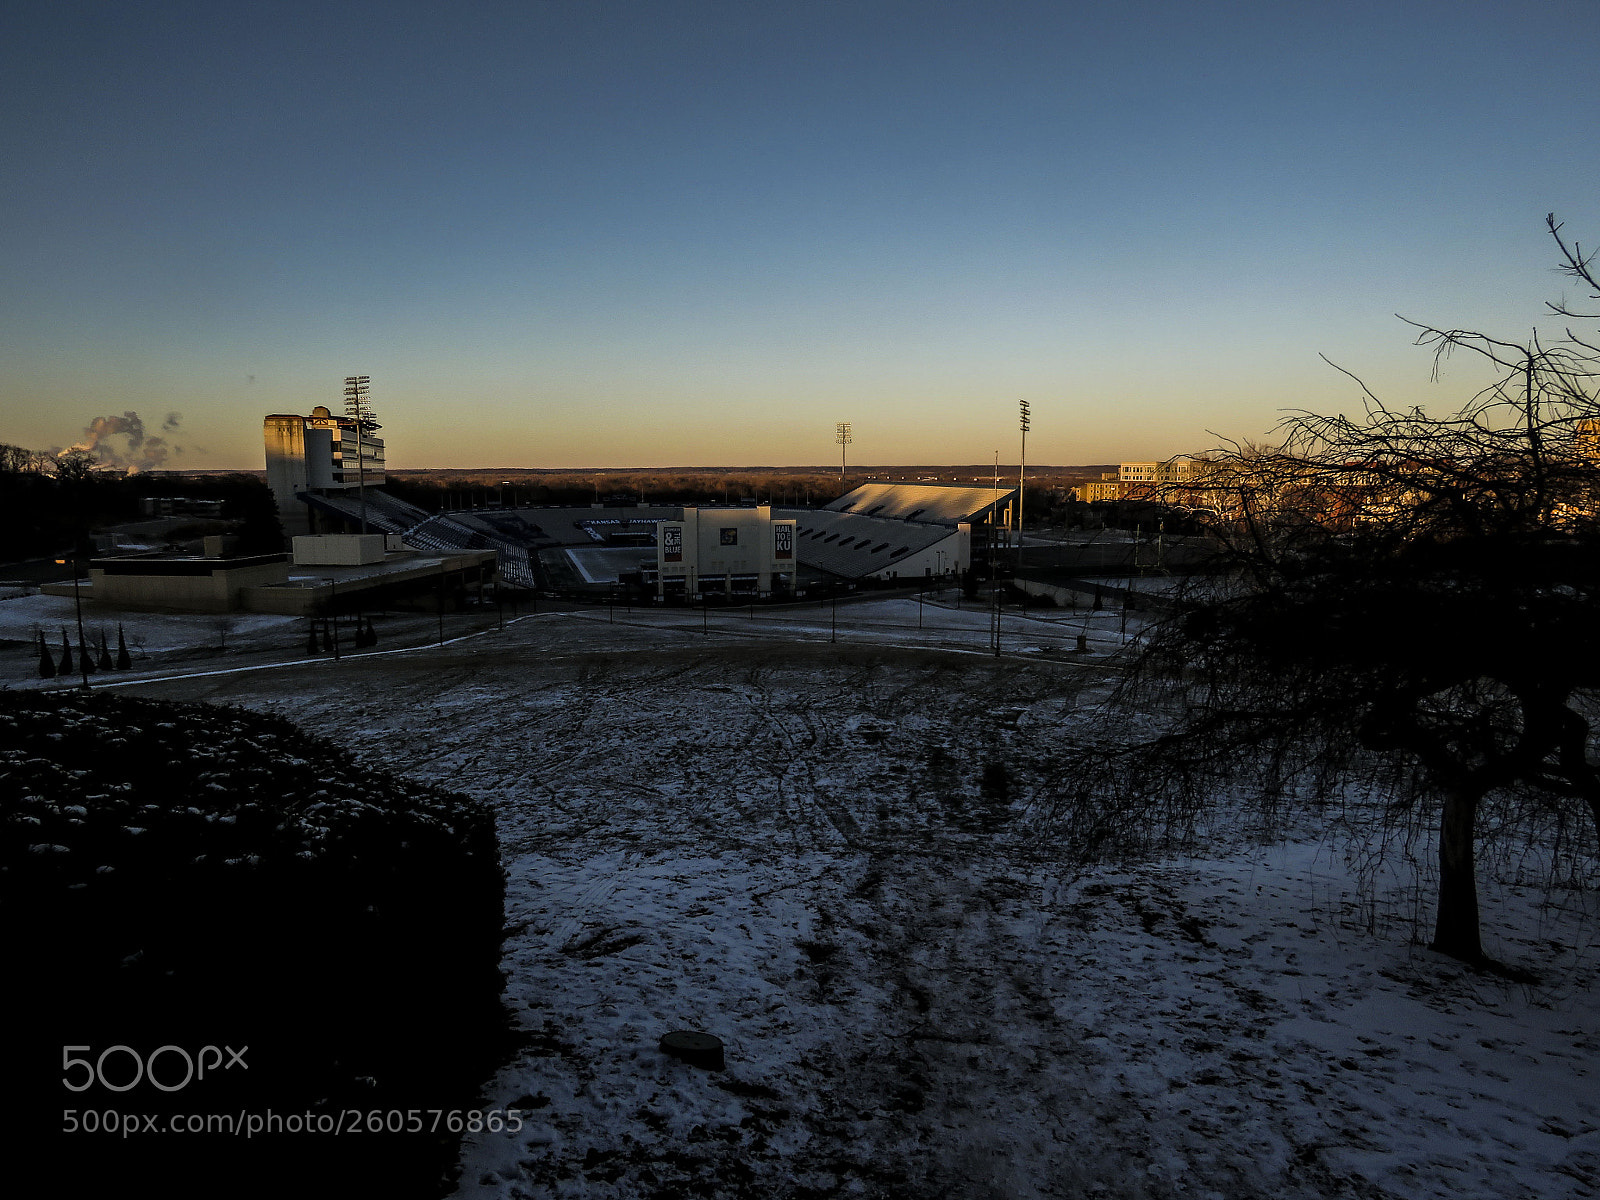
(358, 409)
(1022, 469)
(842, 435)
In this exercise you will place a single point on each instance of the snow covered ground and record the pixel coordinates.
(838, 859)
(939, 622)
(23, 617)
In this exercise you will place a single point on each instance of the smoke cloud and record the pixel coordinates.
(121, 443)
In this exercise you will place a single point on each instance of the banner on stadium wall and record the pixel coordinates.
(672, 543)
(783, 541)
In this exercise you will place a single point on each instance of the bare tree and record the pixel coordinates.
(222, 625)
(74, 466)
(15, 460)
(1404, 606)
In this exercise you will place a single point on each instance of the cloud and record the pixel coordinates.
(121, 443)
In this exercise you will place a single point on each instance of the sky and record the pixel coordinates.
(567, 234)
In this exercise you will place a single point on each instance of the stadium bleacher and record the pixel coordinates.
(864, 533)
(440, 532)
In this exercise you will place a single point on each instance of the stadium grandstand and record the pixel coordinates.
(890, 531)
(326, 482)
(855, 547)
(883, 532)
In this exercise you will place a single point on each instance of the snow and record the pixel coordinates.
(802, 849)
(23, 617)
(895, 622)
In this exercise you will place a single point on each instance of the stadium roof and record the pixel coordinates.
(925, 503)
(854, 547)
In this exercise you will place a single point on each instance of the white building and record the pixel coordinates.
(317, 455)
(725, 550)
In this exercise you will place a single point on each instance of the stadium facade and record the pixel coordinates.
(319, 455)
(726, 550)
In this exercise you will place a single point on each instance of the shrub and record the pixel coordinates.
(192, 875)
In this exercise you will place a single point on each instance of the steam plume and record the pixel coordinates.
(121, 442)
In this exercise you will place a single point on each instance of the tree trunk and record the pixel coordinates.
(1455, 929)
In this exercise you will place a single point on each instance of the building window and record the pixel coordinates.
(730, 537)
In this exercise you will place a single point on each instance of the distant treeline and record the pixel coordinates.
(450, 489)
(437, 490)
(54, 505)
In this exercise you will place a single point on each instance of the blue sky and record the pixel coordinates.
(611, 234)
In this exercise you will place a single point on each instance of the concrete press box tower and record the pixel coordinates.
(724, 551)
(317, 454)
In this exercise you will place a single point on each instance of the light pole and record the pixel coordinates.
(1022, 469)
(994, 561)
(333, 615)
(77, 604)
(843, 435)
(359, 412)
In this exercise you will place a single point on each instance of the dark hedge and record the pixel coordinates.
(189, 875)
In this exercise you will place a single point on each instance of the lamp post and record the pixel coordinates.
(77, 604)
(994, 561)
(843, 435)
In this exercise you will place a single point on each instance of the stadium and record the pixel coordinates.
(352, 545)
(327, 480)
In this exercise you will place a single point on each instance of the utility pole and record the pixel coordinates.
(77, 604)
(843, 435)
(1022, 475)
(359, 411)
